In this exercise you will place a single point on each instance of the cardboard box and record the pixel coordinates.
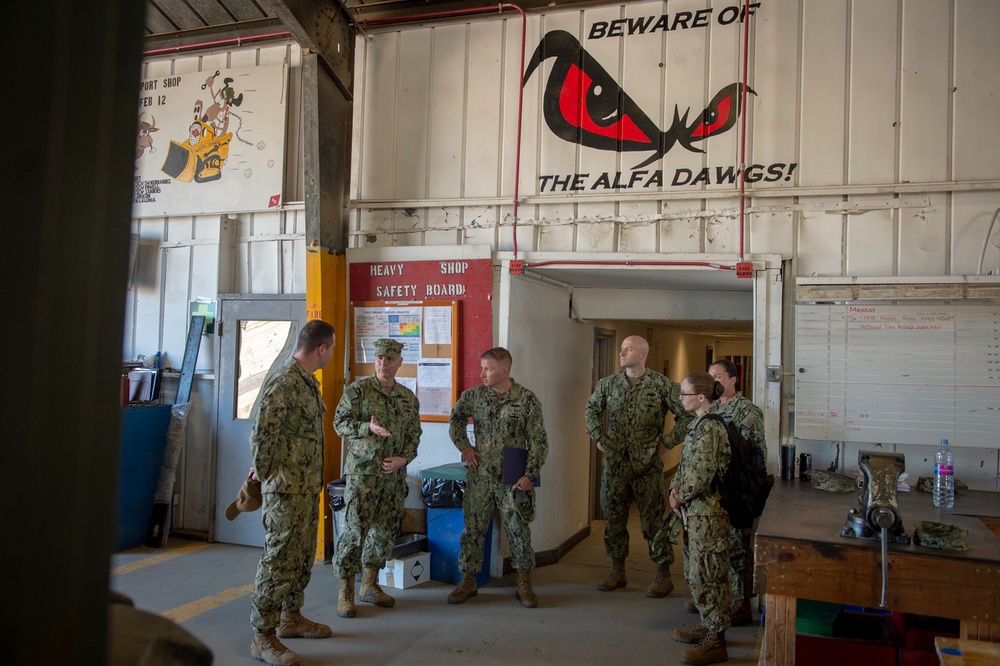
(406, 571)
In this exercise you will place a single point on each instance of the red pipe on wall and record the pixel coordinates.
(743, 124)
(520, 76)
(582, 262)
(219, 42)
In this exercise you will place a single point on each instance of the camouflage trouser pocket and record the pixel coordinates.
(524, 502)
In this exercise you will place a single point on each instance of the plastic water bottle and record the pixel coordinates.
(944, 476)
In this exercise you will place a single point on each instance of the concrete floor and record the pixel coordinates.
(205, 588)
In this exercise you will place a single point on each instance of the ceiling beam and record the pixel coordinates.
(323, 27)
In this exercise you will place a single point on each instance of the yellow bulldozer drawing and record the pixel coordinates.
(200, 158)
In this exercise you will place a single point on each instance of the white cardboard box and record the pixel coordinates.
(406, 571)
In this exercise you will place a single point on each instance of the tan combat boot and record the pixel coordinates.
(689, 606)
(465, 590)
(370, 592)
(616, 578)
(692, 635)
(267, 648)
(524, 592)
(662, 585)
(293, 625)
(345, 600)
(711, 650)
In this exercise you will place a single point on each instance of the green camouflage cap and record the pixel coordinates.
(388, 347)
(834, 483)
(925, 484)
(938, 535)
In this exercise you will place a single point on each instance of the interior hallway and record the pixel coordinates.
(205, 587)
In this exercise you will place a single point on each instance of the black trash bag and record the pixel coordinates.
(443, 493)
(336, 490)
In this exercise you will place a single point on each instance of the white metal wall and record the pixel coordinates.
(883, 106)
(183, 258)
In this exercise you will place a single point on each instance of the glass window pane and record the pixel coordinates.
(262, 344)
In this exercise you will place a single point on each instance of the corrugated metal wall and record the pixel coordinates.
(183, 258)
(885, 108)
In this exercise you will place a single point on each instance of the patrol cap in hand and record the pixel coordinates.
(248, 499)
(388, 347)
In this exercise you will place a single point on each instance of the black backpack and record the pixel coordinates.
(746, 484)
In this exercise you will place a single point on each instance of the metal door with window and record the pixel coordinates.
(258, 334)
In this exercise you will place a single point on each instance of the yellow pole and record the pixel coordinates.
(326, 299)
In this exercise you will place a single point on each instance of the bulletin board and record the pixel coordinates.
(910, 373)
(428, 331)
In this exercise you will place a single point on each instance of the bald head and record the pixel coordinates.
(633, 355)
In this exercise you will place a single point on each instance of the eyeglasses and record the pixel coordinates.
(682, 393)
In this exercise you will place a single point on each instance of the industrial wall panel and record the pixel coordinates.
(872, 113)
(610, 54)
(682, 235)
(824, 85)
(175, 314)
(820, 238)
(375, 117)
(481, 129)
(925, 92)
(772, 230)
(922, 250)
(971, 229)
(977, 87)
(554, 157)
(448, 113)
(638, 231)
(413, 112)
(556, 238)
(265, 267)
(870, 239)
(776, 78)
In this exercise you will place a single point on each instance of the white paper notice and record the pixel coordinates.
(408, 382)
(434, 372)
(437, 325)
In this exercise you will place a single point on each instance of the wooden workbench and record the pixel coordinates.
(800, 554)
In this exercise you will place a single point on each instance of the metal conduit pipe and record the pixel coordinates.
(743, 124)
(239, 41)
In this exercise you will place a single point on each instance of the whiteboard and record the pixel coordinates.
(900, 374)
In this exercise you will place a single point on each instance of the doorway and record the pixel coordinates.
(258, 334)
(604, 365)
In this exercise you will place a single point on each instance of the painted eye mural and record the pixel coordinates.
(583, 104)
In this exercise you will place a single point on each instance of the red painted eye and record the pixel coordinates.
(573, 105)
(715, 119)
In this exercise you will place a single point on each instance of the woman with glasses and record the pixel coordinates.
(696, 501)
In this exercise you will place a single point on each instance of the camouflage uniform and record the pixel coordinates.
(704, 459)
(287, 446)
(373, 500)
(512, 419)
(748, 416)
(633, 470)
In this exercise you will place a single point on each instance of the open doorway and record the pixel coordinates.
(676, 349)
(605, 363)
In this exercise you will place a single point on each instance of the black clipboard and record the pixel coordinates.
(514, 463)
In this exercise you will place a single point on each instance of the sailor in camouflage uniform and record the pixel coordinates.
(695, 499)
(504, 414)
(734, 407)
(287, 445)
(636, 400)
(380, 420)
